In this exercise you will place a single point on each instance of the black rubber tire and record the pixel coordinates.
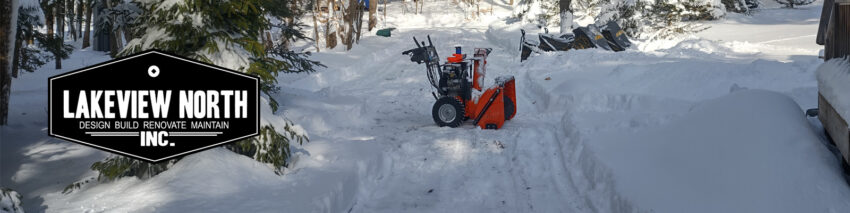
(452, 110)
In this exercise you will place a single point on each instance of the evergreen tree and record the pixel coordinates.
(227, 34)
(32, 46)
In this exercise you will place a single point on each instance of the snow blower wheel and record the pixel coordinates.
(448, 111)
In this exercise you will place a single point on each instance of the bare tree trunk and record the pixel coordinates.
(48, 16)
(87, 33)
(69, 12)
(330, 31)
(385, 13)
(349, 20)
(566, 15)
(5, 77)
(373, 8)
(268, 40)
(114, 36)
(358, 21)
(60, 18)
(315, 25)
(477, 8)
(16, 55)
(80, 5)
(60, 28)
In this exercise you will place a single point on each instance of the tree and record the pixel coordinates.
(566, 15)
(59, 7)
(228, 34)
(69, 12)
(6, 15)
(373, 9)
(792, 3)
(27, 56)
(80, 6)
(87, 34)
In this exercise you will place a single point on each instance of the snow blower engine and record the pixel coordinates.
(458, 84)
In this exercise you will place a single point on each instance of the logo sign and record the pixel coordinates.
(153, 106)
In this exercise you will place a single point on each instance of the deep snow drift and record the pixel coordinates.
(750, 151)
(653, 128)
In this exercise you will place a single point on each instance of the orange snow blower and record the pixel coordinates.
(458, 85)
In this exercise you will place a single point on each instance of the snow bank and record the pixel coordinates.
(751, 151)
(325, 179)
(834, 84)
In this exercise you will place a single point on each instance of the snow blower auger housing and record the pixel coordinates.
(459, 92)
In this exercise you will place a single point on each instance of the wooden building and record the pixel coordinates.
(834, 29)
(834, 34)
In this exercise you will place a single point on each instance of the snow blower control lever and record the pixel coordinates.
(458, 85)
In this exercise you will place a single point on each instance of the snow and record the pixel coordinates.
(833, 81)
(750, 151)
(10, 201)
(711, 122)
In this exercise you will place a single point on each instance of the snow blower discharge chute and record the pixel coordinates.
(458, 84)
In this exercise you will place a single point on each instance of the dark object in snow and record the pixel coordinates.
(455, 82)
(386, 32)
(590, 37)
(616, 36)
(813, 112)
(549, 42)
(608, 37)
(526, 46)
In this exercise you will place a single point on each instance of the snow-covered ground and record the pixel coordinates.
(708, 123)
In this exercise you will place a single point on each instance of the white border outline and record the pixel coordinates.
(50, 104)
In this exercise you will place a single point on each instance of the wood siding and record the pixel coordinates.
(835, 126)
(837, 41)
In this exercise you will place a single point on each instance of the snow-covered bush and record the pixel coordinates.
(792, 3)
(10, 201)
(659, 19)
(741, 6)
(648, 19)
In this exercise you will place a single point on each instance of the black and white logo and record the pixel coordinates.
(153, 106)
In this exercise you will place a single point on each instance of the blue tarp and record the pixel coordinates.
(365, 3)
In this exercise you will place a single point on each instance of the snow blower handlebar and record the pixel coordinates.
(421, 53)
(428, 55)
